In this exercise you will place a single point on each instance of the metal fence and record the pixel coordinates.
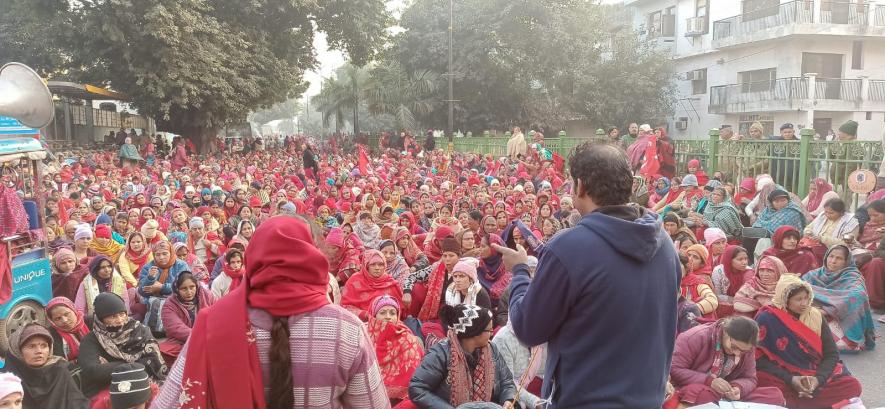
(793, 164)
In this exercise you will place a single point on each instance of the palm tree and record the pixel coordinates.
(403, 95)
(344, 92)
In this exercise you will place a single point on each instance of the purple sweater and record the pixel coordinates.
(333, 362)
(693, 359)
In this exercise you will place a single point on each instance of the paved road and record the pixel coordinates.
(869, 368)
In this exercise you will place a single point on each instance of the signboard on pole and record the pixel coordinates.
(11, 126)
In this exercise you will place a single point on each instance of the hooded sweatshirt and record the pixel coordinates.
(604, 299)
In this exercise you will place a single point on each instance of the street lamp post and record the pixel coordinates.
(450, 74)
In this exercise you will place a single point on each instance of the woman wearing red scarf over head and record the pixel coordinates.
(797, 258)
(697, 285)
(240, 353)
(728, 276)
(694, 168)
(68, 327)
(371, 282)
(344, 253)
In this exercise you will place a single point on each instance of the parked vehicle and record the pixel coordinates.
(25, 255)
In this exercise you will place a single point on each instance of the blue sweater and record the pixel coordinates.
(604, 299)
(145, 279)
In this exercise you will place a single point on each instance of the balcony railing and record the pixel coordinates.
(782, 89)
(799, 11)
(877, 90)
(837, 88)
(784, 94)
(879, 16)
(843, 12)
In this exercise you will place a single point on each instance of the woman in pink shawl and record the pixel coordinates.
(636, 151)
(179, 157)
(758, 291)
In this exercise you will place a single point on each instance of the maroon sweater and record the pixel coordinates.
(693, 359)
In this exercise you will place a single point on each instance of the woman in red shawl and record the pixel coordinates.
(284, 293)
(697, 285)
(344, 253)
(398, 350)
(694, 168)
(371, 282)
(407, 219)
(68, 327)
(729, 276)
(432, 247)
(798, 259)
(745, 193)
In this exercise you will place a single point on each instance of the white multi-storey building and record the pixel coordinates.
(812, 63)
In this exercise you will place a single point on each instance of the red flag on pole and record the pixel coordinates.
(363, 162)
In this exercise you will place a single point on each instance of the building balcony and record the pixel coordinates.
(799, 93)
(800, 17)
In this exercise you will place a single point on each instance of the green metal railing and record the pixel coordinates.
(793, 164)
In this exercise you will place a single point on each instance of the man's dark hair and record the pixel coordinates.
(604, 173)
(476, 215)
(742, 329)
(836, 204)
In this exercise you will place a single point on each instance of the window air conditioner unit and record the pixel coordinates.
(696, 26)
(682, 125)
(696, 75)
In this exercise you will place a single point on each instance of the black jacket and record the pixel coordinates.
(428, 388)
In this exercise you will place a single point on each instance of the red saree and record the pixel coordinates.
(399, 354)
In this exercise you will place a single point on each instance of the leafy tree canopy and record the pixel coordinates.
(196, 65)
(534, 62)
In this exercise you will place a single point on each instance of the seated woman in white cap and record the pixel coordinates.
(115, 340)
(46, 381)
(465, 288)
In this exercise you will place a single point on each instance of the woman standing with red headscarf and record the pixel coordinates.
(243, 342)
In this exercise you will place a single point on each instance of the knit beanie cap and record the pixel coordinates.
(713, 235)
(777, 193)
(849, 128)
(34, 330)
(83, 232)
(149, 229)
(690, 180)
(196, 223)
(384, 301)
(130, 386)
(107, 304)
(103, 219)
(10, 384)
(467, 266)
(467, 321)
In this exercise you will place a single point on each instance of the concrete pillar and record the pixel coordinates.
(815, 10)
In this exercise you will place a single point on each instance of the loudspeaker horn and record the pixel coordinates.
(24, 96)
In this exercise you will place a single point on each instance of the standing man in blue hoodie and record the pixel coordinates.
(604, 294)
